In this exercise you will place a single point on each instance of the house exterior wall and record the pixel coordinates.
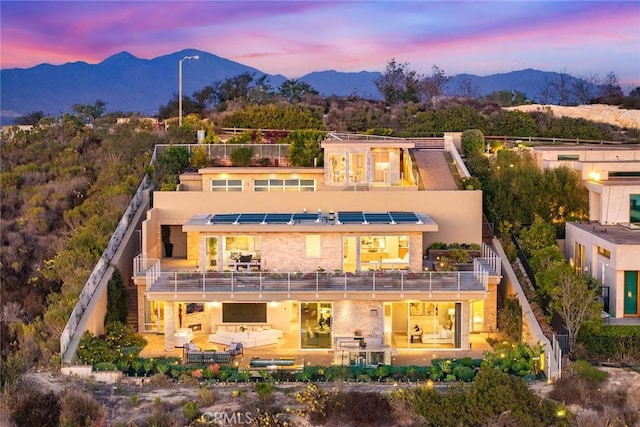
(610, 271)
(457, 213)
(611, 201)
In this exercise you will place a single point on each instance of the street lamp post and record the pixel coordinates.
(180, 86)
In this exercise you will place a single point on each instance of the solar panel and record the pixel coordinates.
(350, 217)
(277, 218)
(377, 218)
(250, 218)
(305, 216)
(404, 217)
(223, 218)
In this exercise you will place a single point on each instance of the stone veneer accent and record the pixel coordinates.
(351, 315)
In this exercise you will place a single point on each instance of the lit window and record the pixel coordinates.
(226, 185)
(312, 245)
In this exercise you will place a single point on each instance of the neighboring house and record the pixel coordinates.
(323, 253)
(608, 246)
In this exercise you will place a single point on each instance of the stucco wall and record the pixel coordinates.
(457, 213)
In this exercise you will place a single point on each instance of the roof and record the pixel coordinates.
(392, 221)
(616, 233)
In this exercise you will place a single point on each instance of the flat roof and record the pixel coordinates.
(341, 221)
(615, 233)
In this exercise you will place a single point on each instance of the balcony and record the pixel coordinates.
(181, 285)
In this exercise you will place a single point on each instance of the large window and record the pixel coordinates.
(226, 185)
(434, 324)
(281, 185)
(315, 325)
(241, 253)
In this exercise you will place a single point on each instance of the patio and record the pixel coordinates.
(288, 347)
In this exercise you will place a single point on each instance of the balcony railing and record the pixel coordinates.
(318, 282)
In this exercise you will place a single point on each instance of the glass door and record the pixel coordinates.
(631, 293)
(349, 254)
(211, 261)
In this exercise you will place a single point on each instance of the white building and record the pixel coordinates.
(608, 246)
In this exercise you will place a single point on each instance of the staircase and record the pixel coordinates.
(487, 231)
(132, 307)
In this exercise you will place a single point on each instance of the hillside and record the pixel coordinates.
(597, 112)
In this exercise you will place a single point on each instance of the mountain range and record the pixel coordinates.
(127, 83)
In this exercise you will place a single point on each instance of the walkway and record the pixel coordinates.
(434, 170)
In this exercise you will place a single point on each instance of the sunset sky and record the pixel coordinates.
(297, 37)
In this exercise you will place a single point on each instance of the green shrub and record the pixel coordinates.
(105, 366)
(472, 142)
(190, 410)
(588, 371)
(264, 390)
(241, 156)
(464, 373)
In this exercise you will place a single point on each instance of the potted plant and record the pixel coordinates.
(166, 240)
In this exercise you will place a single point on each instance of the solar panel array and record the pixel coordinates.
(378, 218)
(404, 217)
(263, 218)
(345, 217)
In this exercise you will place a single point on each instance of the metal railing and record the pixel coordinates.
(533, 140)
(317, 282)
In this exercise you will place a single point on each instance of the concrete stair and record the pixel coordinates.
(132, 307)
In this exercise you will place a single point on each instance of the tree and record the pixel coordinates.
(305, 148)
(433, 86)
(262, 92)
(561, 85)
(635, 92)
(539, 235)
(116, 299)
(507, 98)
(467, 88)
(575, 302)
(30, 119)
(611, 86)
(472, 141)
(295, 90)
(88, 112)
(398, 83)
(585, 88)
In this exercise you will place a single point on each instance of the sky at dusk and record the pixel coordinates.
(297, 37)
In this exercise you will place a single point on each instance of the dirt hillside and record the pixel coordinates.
(596, 112)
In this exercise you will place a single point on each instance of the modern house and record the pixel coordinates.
(607, 246)
(333, 255)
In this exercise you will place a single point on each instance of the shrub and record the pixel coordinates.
(241, 156)
(586, 370)
(106, 366)
(464, 373)
(472, 142)
(206, 397)
(30, 407)
(190, 410)
(264, 390)
(359, 408)
(80, 408)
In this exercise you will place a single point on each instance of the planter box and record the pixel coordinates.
(433, 254)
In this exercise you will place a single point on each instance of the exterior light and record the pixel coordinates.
(180, 86)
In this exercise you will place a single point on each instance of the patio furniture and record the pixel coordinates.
(416, 334)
